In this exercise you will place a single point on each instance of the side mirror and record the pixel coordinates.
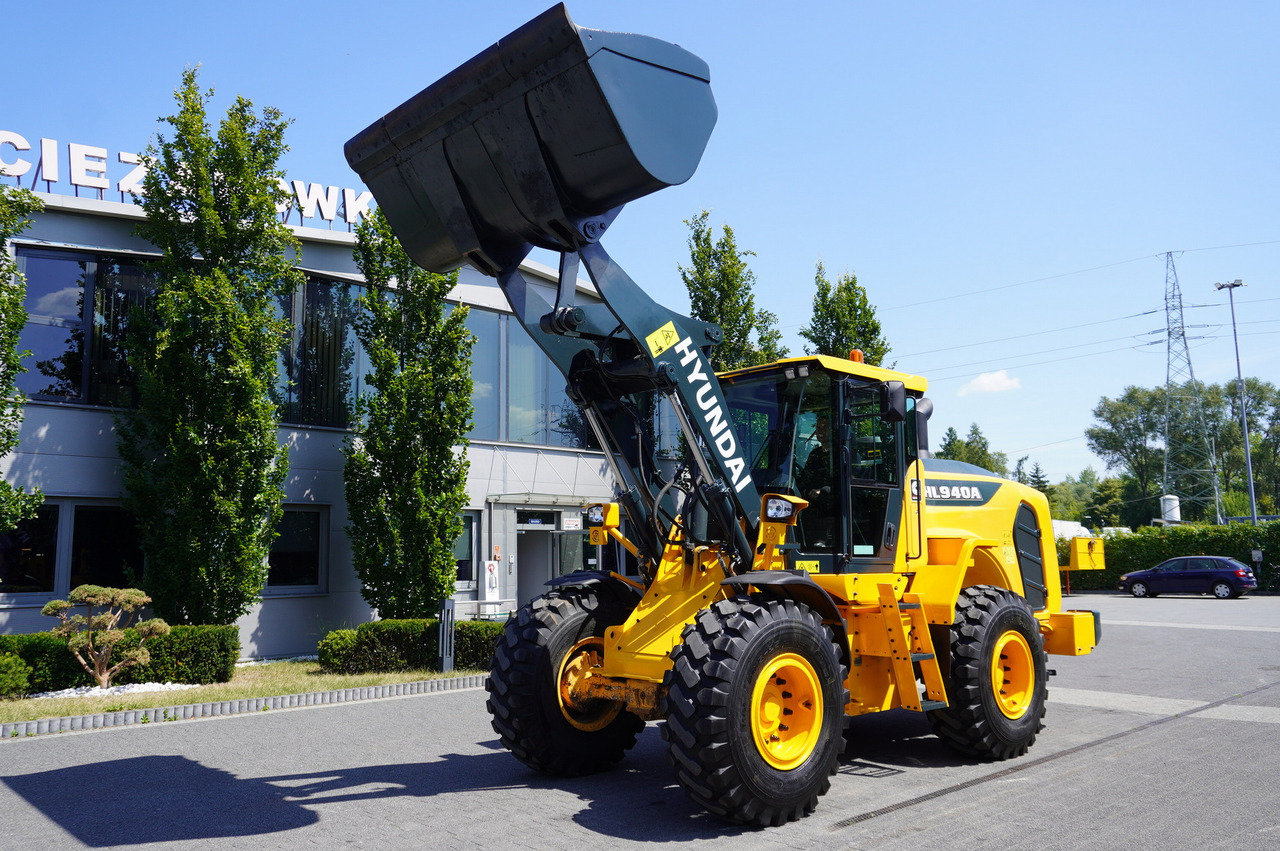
(893, 401)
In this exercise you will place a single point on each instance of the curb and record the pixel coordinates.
(216, 709)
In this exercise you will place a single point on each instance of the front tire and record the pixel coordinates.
(539, 648)
(1140, 589)
(997, 688)
(755, 710)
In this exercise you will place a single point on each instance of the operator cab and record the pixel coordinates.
(838, 439)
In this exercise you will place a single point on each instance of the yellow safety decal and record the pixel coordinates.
(811, 566)
(662, 339)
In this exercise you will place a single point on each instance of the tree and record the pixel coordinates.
(1070, 495)
(1130, 435)
(1106, 505)
(720, 290)
(1038, 480)
(16, 206)
(973, 449)
(91, 638)
(406, 465)
(203, 470)
(843, 319)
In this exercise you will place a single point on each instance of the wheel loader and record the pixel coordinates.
(809, 561)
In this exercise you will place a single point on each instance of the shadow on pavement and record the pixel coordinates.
(156, 799)
(170, 798)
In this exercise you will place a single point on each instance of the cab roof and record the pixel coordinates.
(914, 383)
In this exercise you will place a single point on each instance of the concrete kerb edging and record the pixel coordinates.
(191, 711)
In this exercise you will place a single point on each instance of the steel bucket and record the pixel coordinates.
(553, 124)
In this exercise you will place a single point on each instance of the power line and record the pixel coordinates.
(1033, 334)
(1079, 272)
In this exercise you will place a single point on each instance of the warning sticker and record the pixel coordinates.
(662, 339)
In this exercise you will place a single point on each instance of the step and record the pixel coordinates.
(930, 705)
(922, 657)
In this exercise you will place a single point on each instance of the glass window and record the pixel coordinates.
(104, 548)
(322, 364)
(59, 284)
(464, 550)
(29, 554)
(298, 552)
(119, 287)
(485, 373)
(526, 388)
(54, 334)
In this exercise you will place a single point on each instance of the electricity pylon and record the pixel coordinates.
(1190, 462)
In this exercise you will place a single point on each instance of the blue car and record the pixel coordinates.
(1220, 576)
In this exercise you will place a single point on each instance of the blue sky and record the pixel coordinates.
(1003, 178)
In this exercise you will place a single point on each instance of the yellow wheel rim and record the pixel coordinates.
(786, 711)
(591, 714)
(1013, 674)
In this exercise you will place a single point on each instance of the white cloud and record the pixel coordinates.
(991, 382)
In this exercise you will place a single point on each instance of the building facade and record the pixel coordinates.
(531, 469)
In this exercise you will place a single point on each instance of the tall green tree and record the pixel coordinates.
(721, 290)
(203, 470)
(16, 207)
(1038, 480)
(406, 463)
(972, 449)
(1129, 436)
(843, 319)
(1070, 495)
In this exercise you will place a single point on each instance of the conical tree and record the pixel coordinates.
(406, 467)
(843, 320)
(203, 470)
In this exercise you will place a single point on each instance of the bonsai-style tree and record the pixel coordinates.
(91, 637)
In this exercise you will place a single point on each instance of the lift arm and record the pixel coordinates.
(539, 141)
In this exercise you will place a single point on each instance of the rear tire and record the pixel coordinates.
(755, 710)
(997, 688)
(524, 685)
(1223, 590)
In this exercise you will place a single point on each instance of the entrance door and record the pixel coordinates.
(534, 550)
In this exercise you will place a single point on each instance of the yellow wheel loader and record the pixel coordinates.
(809, 561)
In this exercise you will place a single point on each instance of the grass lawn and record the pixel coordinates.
(270, 680)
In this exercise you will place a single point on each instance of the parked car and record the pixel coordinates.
(1217, 575)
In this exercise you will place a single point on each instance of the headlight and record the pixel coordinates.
(595, 515)
(778, 509)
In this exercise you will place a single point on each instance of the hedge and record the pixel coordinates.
(1150, 545)
(188, 654)
(398, 645)
(14, 674)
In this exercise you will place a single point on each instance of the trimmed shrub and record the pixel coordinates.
(397, 645)
(52, 666)
(335, 649)
(188, 654)
(14, 675)
(1150, 545)
(474, 642)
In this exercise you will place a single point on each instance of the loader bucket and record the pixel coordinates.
(553, 124)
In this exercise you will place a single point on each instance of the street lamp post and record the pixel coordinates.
(1244, 417)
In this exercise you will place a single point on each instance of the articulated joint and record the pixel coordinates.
(563, 320)
(639, 697)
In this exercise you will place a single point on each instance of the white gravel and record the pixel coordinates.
(95, 691)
